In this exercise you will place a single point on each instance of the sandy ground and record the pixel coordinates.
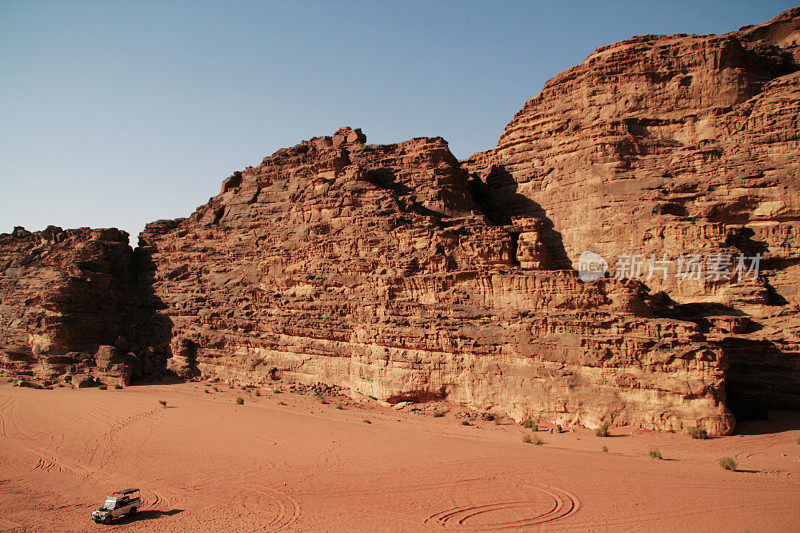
(288, 462)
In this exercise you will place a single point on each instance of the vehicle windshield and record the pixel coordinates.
(110, 504)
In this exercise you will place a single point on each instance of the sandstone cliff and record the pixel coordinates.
(372, 268)
(69, 303)
(662, 146)
(397, 272)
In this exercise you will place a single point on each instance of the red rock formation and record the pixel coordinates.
(65, 297)
(396, 272)
(371, 268)
(675, 145)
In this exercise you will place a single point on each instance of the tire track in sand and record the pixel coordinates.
(274, 509)
(556, 504)
(288, 509)
(48, 465)
(155, 500)
(48, 461)
(4, 404)
(106, 438)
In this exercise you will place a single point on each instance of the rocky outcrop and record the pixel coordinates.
(66, 296)
(782, 31)
(372, 268)
(662, 148)
(679, 144)
(397, 272)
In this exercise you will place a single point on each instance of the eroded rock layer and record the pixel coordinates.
(669, 146)
(63, 294)
(372, 268)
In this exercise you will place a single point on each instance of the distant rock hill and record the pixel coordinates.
(399, 273)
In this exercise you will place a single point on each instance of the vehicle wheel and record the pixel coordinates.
(132, 511)
(107, 520)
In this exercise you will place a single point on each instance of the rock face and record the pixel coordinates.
(66, 296)
(372, 268)
(397, 272)
(658, 147)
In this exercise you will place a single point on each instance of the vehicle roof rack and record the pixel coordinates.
(126, 491)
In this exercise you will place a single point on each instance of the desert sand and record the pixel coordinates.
(289, 462)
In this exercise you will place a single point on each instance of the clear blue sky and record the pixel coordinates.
(119, 113)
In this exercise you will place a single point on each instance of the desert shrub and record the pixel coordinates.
(239, 400)
(465, 423)
(215, 389)
(602, 431)
(163, 403)
(727, 463)
(532, 439)
(102, 386)
(697, 433)
(604, 450)
(258, 393)
(488, 416)
(528, 424)
(117, 387)
(322, 400)
(206, 391)
(438, 414)
(340, 407)
(276, 391)
(366, 421)
(655, 453)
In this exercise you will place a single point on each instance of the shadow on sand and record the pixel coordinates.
(147, 514)
(776, 422)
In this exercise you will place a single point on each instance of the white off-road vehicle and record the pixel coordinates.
(121, 503)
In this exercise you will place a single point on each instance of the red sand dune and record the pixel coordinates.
(206, 464)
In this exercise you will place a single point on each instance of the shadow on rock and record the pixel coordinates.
(500, 201)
